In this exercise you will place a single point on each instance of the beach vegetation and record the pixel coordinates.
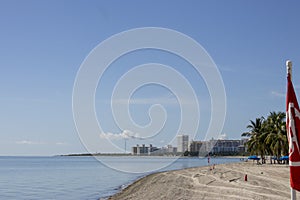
(267, 136)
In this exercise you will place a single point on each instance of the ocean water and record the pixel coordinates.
(77, 177)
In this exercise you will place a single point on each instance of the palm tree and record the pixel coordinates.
(276, 138)
(268, 136)
(254, 126)
(257, 136)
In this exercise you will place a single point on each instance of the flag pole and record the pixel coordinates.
(289, 71)
(289, 68)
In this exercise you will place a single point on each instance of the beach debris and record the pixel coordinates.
(234, 179)
(211, 182)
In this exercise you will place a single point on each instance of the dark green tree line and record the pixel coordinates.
(267, 136)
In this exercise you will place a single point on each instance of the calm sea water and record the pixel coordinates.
(76, 177)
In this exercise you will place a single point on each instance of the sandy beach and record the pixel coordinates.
(226, 181)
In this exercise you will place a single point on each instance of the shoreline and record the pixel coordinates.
(226, 181)
(150, 155)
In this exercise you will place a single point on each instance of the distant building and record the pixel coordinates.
(195, 146)
(182, 143)
(152, 149)
(207, 146)
(143, 150)
(243, 146)
(171, 149)
(225, 147)
(134, 150)
(168, 150)
(140, 150)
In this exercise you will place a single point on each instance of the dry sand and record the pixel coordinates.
(226, 181)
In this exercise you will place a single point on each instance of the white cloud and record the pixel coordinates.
(28, 142)
(278, 94)
(116, 136)
(61, 143)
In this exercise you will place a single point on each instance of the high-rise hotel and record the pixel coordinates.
(182, 143)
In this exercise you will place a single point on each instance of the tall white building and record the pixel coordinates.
(182, 143)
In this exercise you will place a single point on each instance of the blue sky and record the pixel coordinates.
(43, 44)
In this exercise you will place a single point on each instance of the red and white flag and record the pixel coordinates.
(293, 133)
